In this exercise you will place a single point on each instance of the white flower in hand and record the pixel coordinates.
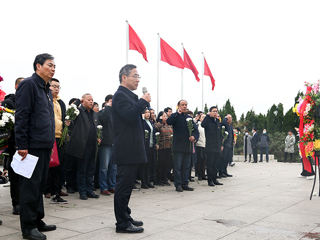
(2, 123)
(99, 126)
(157, 133)
(146, 131)
(223, 127)
(189, 119)
(227, 133)
(67, 117)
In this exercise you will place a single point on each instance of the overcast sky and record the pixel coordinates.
(259, 52)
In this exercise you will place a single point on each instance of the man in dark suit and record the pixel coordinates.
(212, 128)
(129, 148)
(254, 145)
(227, 147)
(183, 145)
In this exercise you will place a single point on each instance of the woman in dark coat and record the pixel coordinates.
(165, 145)
(150, 142)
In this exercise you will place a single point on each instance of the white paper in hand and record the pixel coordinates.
(26, 167)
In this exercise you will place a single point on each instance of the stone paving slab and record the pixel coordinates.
(260, 201)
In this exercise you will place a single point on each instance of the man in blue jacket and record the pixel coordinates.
(35, 134)
(128, 148)
(181, 145)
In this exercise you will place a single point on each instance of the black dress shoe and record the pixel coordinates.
(245, 160)
(16, 210)
(229, 175)
(35, 235)
(200, 178)
(92, 195)
(144, 186)
(47, 228)
(211, 184)
(83, 196)
(191, 180)
(137, 223)
(223, 175)
(165, 183)
(70, 190)
(204, 177)
(150, 185)
(216, 182)
(131, 229)
(219, 177)
(187, 188)
(260, 161)
(179, 189)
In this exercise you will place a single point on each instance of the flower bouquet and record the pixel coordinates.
(190, 127)
(72, 113)
(146, 134)
(99, 129)
(224, 134)
(6, 125)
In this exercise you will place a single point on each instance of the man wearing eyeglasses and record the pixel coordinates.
(129, 149)
(55, 173)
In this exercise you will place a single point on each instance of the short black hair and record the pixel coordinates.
(181, 101)
(247, 131)
(41, 59)
(95, 103)
(254, 128)
(239, 130)
(126, 70)
(103, 104)
(108, 97)
(18, 81)
(213, 108)
(54, 79)
(167, 109)
(160, 115)
(72, 100)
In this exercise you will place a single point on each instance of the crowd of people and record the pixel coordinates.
(137, 147)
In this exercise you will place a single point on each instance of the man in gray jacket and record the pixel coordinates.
(264, 145)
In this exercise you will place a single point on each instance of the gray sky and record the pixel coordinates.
(259, 52)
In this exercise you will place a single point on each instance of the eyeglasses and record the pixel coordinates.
(136, 76)
(55, 86)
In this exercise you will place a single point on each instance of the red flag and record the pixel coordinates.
(135, 43)
(189, 64)
(208, 73)
(2, 95)
(169, 55)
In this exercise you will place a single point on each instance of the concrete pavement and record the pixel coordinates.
(260, 201)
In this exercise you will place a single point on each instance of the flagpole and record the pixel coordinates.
(202, 79)
(158, 73)
(182, 54)
(127, 41)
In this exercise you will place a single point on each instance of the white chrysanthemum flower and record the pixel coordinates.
(189, 119)
(223, 127)
(67, 117)
(99, 126)
(73, 105)
(5, 118)
(146, 131)
(226, 133)
(157, 133)
(2, 123)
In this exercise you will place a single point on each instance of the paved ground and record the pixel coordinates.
(260, 201)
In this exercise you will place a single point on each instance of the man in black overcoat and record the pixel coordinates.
(212, 128)
(129, 148)
(254, 145)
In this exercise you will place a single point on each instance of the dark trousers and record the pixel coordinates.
(97, 173)
(126, 174)
(14, 180)
(266, 150)
(145, 169)
(213, 159)
(255, 154)
(286, 155)
(201, 162)
(71, 171)
(86, 168)
(182, 161)
(245, 156)
(227, 156)
(163, 163)
(31, 191)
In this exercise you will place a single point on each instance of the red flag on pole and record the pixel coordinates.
(170, 56)
(189, 64)
(135, 43)
(208, 73)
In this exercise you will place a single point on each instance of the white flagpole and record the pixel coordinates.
(127, 41)
(158, 72)
(182, 54)
(202, 80)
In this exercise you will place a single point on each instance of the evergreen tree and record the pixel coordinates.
(195, 112)
(206, 109)
(250, 120)
(228, 109)
(271, 116)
